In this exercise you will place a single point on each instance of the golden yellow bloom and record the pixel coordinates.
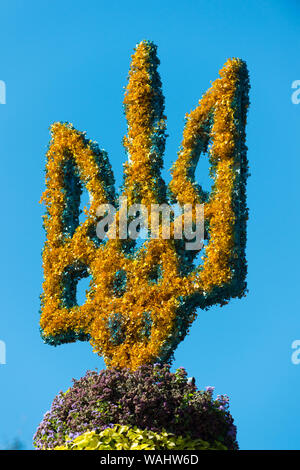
(219, 118)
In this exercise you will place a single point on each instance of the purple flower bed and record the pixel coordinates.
(151, 398)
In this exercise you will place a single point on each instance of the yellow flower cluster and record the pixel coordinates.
(216, 102)
(160, 299)
(139, 104)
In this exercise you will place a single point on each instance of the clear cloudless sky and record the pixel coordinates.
(67, 60)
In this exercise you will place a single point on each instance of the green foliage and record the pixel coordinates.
(131, 438)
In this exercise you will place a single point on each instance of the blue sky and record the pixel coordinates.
(68, 61)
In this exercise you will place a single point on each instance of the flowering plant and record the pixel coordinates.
(151, 398)
(141, 304)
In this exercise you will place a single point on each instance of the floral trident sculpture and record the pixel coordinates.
(142, 300)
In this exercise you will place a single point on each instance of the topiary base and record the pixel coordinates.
(150, 408)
